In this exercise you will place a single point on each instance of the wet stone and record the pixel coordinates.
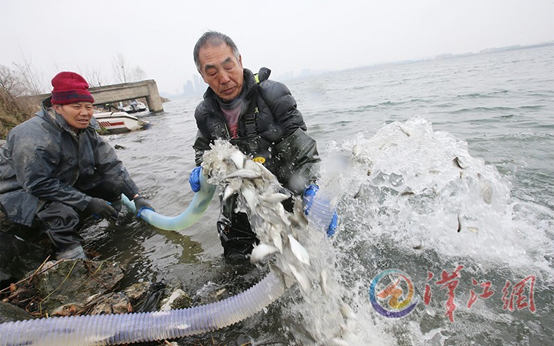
(179, 299)
(9, 312)
(137, 291)
(113, 303)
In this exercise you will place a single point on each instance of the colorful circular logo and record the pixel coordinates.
(391, 293)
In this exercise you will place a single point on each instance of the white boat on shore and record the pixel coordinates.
(133, 107)
(118, 122)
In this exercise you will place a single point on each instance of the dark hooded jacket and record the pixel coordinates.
(44, 159)
(271, 128)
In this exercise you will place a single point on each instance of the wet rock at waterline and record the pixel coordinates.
(179, 299)
(9, 312)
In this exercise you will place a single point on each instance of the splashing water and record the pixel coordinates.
(408, 198)
(302, 254)
(416, 200)
(418, 187)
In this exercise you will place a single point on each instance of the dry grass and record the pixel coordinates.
(12, 112)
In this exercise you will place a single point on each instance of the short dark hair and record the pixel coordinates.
(213, 38)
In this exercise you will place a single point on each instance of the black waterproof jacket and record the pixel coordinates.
(280, 137)
(45, 160)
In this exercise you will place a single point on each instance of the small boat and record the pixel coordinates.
(118, 122)
(134, 106)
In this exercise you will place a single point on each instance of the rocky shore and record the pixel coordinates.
(78, 287)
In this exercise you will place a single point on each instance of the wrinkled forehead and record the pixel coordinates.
(213, 55)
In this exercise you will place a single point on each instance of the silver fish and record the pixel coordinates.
(244, 173)
(299, 251)
(300, 277)
(249, 194)
(274, 197)
(276, 238)
(323, 278)
(346, 311)
(228, 192)
(253, 166)
(238, 159)
(260, 251)
(231, 188)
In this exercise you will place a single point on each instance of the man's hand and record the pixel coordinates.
(321, 209)
(141, 204)
(308, 197)
(194, 179)
(101, 208)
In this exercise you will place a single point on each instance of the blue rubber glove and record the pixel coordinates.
(308, 199)
(194, 179)
(323, 209)
(333, 225)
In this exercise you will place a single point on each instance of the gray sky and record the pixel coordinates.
(286, 36)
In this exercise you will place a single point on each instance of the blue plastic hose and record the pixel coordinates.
(190, 216)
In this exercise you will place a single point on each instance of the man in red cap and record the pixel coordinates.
(54, 168)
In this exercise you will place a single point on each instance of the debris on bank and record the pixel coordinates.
(72, 287)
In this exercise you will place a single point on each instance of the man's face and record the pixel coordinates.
(77, 115)
(221, 70)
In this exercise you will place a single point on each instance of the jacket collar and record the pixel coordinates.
(51, 116)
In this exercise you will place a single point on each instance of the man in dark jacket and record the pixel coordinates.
(55, 167)
(257, 115)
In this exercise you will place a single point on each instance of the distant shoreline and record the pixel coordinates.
(195, 87)
(446, 56)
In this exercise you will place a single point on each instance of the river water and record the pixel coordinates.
(436, 165)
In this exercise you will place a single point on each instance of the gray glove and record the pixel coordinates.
(100, 208)
(141, 204)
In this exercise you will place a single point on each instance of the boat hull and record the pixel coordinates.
(118, 122)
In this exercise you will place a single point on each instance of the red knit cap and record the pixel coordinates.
(69, 87)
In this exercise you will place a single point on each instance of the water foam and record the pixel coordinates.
(415, 199)
(421, 188)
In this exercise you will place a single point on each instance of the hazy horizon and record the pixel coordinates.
(289, 37)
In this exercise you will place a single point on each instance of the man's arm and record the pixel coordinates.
(296, 153)
(34, 166)
(111, 168)
(201, 144)
(283, 106)
(298, 161)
